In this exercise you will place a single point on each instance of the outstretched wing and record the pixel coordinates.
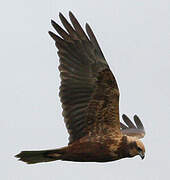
(131, 129)
(88, 91)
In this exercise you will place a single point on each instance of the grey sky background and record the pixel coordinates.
(134, 38)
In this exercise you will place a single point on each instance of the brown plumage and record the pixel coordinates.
(90, 99)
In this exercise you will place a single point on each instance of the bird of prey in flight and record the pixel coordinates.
(90, 100)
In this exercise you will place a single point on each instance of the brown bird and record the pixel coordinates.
(90, 100)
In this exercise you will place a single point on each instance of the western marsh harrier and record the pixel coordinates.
(90, 100)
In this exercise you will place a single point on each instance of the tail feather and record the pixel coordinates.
(32, 157)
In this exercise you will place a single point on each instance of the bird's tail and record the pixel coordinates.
(32, 157)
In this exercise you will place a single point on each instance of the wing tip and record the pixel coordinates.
(88, 28)
(136, 116)
(53, 22)
(124, 115)
(61, 16)
(71, 14)
(138, 122)
(51, 33)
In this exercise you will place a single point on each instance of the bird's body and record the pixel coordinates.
(86, 150)
(96, 149)
(90, 99)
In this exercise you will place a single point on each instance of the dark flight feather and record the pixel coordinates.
(131, 129)
(88, 91)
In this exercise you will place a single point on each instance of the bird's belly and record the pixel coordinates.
(87, 152)
(84, 157)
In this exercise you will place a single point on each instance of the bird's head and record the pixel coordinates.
(136, 147)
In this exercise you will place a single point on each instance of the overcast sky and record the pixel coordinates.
(134, 38)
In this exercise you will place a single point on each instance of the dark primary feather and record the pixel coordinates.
(131, 129)
(94, 41)
(138, 122)
(128, 121)
(88, 91)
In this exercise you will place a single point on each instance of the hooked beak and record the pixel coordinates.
(142, 155)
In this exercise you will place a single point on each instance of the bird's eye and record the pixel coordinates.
(139, 149)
